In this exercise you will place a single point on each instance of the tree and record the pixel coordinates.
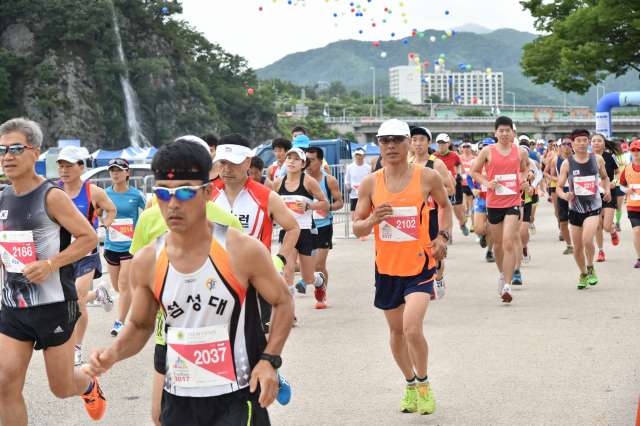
(476, 112)
(337, 88)
(583, 42)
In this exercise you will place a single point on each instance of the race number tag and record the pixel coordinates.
(506, 185)
(403, 226)
(600, 187)
(483, 188)
(634, 191)
(319, 215)
(200, 357)
(466, 172)
(290, 202)
(584, 185)
(431, 202)
(355, 187)
(18, 250)
(121, 230)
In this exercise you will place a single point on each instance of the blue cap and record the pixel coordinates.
(301, 141)
(488, 141)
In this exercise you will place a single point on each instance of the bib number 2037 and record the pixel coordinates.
(209, 356)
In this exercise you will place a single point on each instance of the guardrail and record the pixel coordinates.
(471, 119)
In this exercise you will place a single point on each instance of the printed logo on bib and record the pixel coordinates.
(584, 185)
(200, 357)
(483, 188)
(121, 230)
(4, 214)
(319, 215)
(403, 226)
(18, 250)
(506, 185)
(634, 193)
(290, 202)
(355, 188)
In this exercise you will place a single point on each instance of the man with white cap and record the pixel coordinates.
(405, 254)
(454, 165)
(354, 175)
(88, 198)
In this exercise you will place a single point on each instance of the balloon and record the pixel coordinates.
(417, 60)
(405, 21)
(358, 7)
(444, 37)
(335, 15)
(165, 10)
(442, 56)
(386, 9)
(413, 33)
(418, 69)
(371, 19)
(475, 100)
(426, 64)
(353, 10)
(446, 12)
(383, 54)
(336, 24)
(458, 96)
(364, 9)
(449, 80)
(376, 44)
(393, 34)
(411, 55)
(437, 62)
(433, 38)
(488, 70)
(389, 12)
(405, 41)
(449, 33)
(453, 32)
(384, 21)
(401, 4)
(342, 13)
(479, 101)
(461, 63)
(360, 31)
(424, 80)
(351, 4)
(403, 13)
(421, 35)
(468, 67)
(250, 91)
(373, 25)
(260, 9)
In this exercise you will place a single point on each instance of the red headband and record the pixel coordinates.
(577, 135)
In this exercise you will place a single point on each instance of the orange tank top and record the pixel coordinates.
(633, 184)
(401, 242)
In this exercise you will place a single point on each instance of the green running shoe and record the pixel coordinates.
(409, 403)
(591, 276)
(426, 401)
(465, 230)
(583, 282)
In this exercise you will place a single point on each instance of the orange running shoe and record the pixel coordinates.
(600, 257)
(363, 238)
(615, 240)
(95, 402)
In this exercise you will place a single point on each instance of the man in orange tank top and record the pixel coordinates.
(506, 166)
(406, 256)
(630, 182)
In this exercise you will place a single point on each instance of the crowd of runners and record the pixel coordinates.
(195, 269)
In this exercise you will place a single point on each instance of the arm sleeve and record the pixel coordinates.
(623, 178)
(347, 177)
(538, 176)
(470, 181)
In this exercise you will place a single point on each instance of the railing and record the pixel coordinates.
(142, 183)
(473, 119)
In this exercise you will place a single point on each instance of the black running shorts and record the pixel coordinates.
(634, 218)
(116, 257)
(160, 359)
(526, 211)
(466, 190)
(237, 408)
(563, 210)
(307, 244)
(577, 219)
(613, 204)
(497, 215)
(457, 198)
(325, 237)
(47, 326)
(354, 203)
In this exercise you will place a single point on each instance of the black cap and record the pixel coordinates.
(421, 131)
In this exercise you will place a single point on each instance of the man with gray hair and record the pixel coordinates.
(39, 298)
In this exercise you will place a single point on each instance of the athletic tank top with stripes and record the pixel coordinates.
(211, 296)
(584, 182)
(507, 168)
(304, 218)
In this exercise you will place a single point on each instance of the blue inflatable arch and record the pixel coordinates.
(613, 100)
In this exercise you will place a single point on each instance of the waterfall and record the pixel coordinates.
(131, 105)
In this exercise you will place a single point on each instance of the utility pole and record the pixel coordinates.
(374, 84)
(380, 97)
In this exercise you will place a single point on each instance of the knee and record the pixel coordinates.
(397, 336)
(60, 390)
(321, 267)
(8, 386)
(413, 332)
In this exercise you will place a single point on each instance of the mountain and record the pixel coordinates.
(349, 61)
(472, 28)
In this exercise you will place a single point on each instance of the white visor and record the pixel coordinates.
(299, 152)
(235, 154)
(359, 151)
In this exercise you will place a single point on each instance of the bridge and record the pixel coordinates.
(365, 128)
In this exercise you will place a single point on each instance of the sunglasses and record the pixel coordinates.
(554, 146)
(566, 143)
(120, 163)
(13, 149)
(385, 140)
(182, 193)
(442, 143)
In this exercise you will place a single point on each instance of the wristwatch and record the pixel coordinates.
(275, 360)
(445, 234)
(307, 207)
(281, 257)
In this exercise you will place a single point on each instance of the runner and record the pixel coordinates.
(566, 151)
(483, 230)
(128, 201)
(220, 384)
(356, 171)
(151, 225)
(454, 165)
(256, 172)
(304, 144)
(599, 143)
(280, 148)
(467, 157)
(506, 166)
(630, 183)
(420, 141)
(323, 218)
(622, 161)
(405, 254)
(89, 199)
(298, 191)
(376, 163)
(39, 297)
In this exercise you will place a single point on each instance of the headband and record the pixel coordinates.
(203, 176)
(577, 135)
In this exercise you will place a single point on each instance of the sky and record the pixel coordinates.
(263, 37)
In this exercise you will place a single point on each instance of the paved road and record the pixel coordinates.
(555, 355)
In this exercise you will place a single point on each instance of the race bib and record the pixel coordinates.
(634, 191)
(200, 357)
(464, 175)
(506, 185)
(121, 230)
(355, 187)
(431, 202)
(483, 188)
(403, 226)
(290, 202)
(319, 215)
(600, 187)
(18, 250)
(584, 185)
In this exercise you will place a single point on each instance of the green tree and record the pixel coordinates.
(583, 41)
(476, 112)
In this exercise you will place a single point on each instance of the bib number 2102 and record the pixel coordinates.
(406, 224)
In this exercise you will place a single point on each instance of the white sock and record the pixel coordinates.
(99, 295)
(319, 282)
(501, 274)
(292, 289)
(490, 249)
(601, 250)
(78, 347)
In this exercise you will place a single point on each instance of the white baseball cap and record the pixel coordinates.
(235, 154)
(299, 152)
(442, 137)
(72, 154)
(360, 151)
(394, 127)
(523, 138)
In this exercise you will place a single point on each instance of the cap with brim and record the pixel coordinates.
(394, 127)
(635, 146)
(359, 151)
(525, 145)
(442, 137)
(195, 139)
(524, 138)
(299, 152)
(465, 144)
(124, 166)
(70, 154)
(421, 131)
(488, 141)
(235, 154)
(625, 147)
(301, 141)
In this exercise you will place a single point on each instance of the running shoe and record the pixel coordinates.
(295, 322)
(433, 294)
(409, 403)
(426, 401)
(568, 250)
(117, 328)
(301, 287)
(483, 240)
(615, 240)
(560, 237)
(506, 294)
(637, 265)
(532, 229)
(107, 303)
(78, 355)
(473, 228)
(490, 258)
(441, 289)
(468, 213)
(591, 276)
(450, 240)
(284, 392)
(363, 238)
(501, 284)
(322, 304)
(526, 255)
(583, 283)
(95, 402)
(465, 230)
(517, 278)
(600, 257)
(477, 238)
(550, 199)
(618, 227)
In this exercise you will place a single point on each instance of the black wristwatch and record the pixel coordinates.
(445, 234)
(307, 207)
(275, 360)
(281, 257)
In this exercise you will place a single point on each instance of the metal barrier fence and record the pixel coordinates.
(142, 183)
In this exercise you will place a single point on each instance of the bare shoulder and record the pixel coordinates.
(144, 261)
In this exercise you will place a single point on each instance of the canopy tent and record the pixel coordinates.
(369, 148)
(133, 155)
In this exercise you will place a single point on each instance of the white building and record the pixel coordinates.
(486, 88)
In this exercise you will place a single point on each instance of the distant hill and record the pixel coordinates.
(473, 28)
(349, 61)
